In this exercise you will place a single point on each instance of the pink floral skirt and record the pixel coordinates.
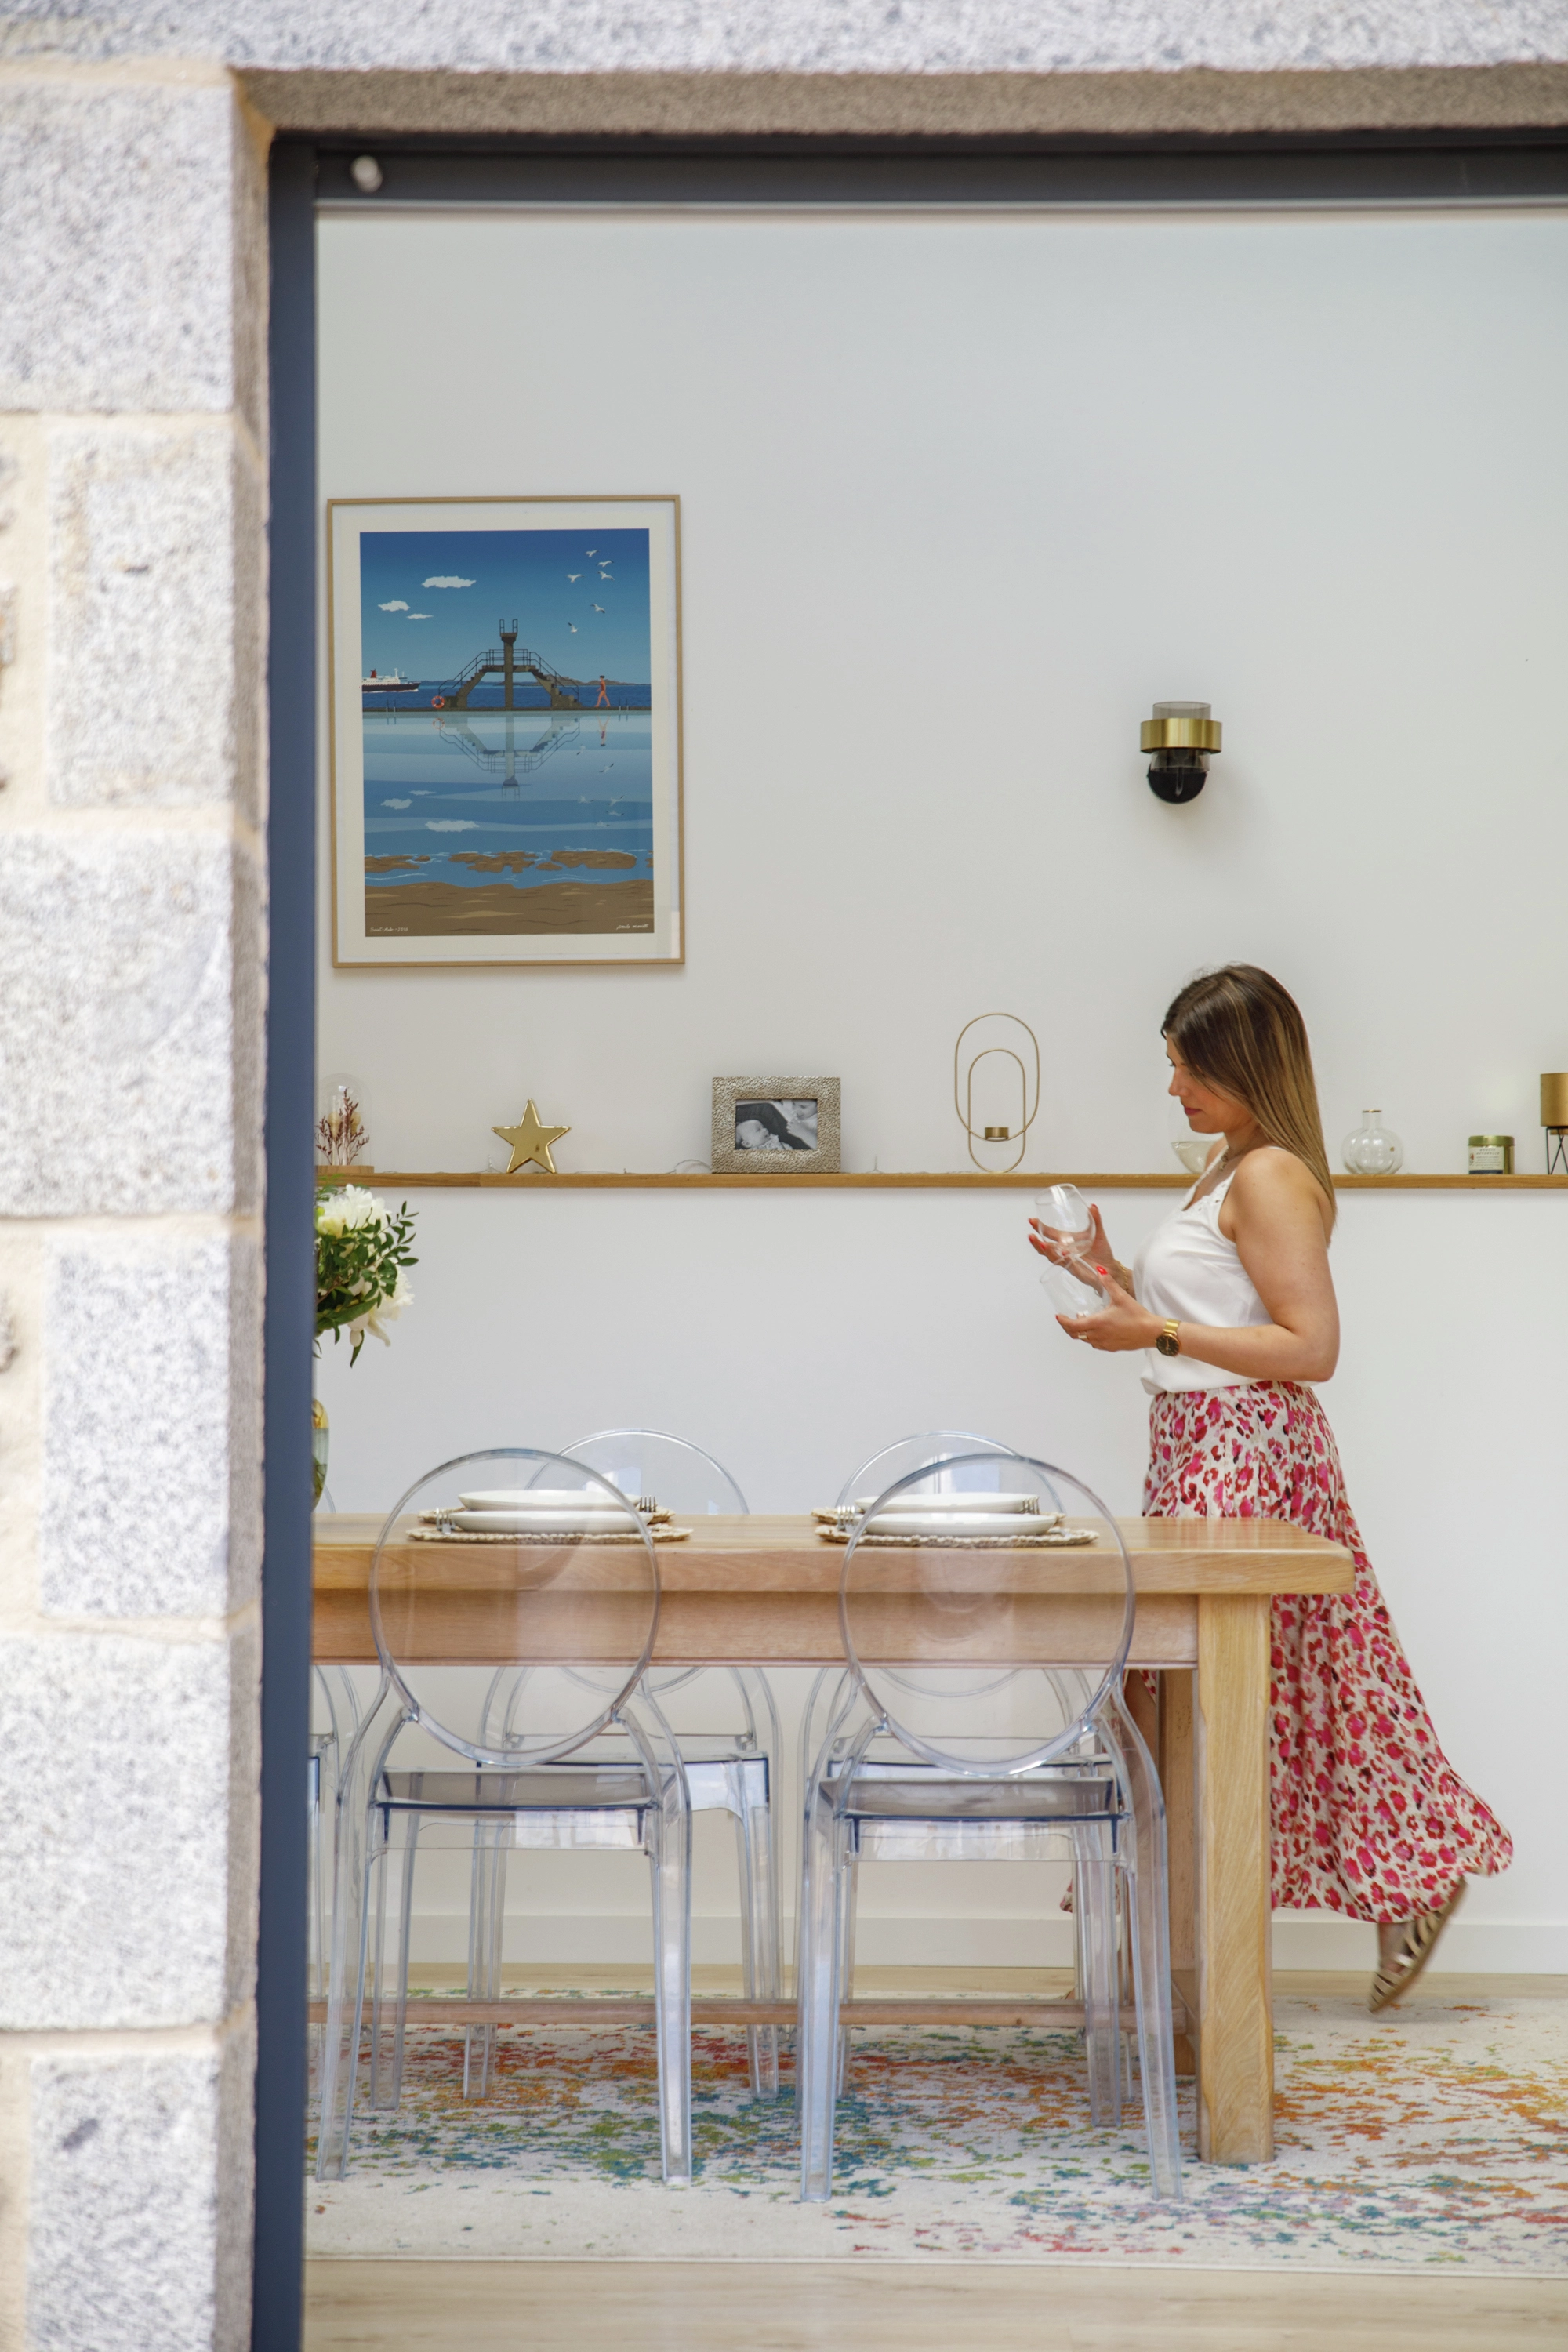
(1370, 1818)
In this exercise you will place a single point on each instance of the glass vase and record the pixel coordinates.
(320, 1437)
(1373, 1149)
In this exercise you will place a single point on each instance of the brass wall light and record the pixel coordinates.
(1180, 735)
(1554, 1119)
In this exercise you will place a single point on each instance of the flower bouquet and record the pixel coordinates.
(361, 1250)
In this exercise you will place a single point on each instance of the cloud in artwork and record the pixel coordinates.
(397, 804)
(446, 580)
(450, 824)
(396, 605)
(419, 616)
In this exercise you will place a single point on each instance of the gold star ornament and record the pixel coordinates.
(531, 1141)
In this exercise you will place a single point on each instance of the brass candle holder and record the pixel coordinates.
(1005, 1047)
(1554, 1119)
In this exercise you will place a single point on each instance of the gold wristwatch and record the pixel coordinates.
(1166, 1340)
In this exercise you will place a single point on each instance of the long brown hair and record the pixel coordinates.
(1238, 1030)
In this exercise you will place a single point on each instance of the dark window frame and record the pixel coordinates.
(1437, 168)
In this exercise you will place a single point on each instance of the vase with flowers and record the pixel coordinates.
(361, 1255)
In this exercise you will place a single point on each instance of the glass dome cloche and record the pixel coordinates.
(1373, 1149)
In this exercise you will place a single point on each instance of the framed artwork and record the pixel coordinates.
(505, 730)
(775, 1127)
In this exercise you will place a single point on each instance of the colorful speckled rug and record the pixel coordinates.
(1436, 2135)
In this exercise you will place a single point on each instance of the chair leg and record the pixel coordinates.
(1149, 1922)
(400, 1982)
(487, 1915)
(355, 1850)
(1094, 1895)
(759, 1930)
(316, 1956)
(668, 1835)
(825, 1890)
(761, 1903)
(849, 1917)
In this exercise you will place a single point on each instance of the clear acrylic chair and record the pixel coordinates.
(732, 1770)
(932, 1450)
(549, 1568)
(334, 1718)
(982, 1719)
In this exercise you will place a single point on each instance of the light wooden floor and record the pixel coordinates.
(429, 2306)
(913, 2307)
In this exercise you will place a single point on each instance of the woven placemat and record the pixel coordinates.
(542, 1536)
(1047, 1539)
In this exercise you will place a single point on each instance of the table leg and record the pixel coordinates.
(1178, 1780)
(1236, 2023)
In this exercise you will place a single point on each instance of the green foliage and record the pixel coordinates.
(362, 1249)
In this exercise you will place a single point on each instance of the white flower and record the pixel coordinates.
(348, 1207)
(386, 1310)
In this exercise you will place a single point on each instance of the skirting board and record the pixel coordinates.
(1301, 1940)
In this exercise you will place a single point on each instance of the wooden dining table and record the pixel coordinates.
(763, 1592)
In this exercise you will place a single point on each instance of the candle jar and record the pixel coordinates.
(1373, 1150)
(1491, 1155)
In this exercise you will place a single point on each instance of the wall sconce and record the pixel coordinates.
(1554, 1119)
(1180, 735)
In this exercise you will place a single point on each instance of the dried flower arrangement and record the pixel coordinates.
(362, 1249)
(340, 1139)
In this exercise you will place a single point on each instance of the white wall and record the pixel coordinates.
(961, 498)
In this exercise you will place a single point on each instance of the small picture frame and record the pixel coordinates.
(775, 1127)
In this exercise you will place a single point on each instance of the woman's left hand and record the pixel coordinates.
(1117, 1328)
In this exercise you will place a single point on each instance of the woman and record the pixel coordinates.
(1233, 1298)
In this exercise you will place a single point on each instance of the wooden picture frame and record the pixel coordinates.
(775, 1127)
(505, 793)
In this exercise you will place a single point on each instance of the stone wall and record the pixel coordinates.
(131, 955)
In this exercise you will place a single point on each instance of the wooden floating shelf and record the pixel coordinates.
(936, 1181)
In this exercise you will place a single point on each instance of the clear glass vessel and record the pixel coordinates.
(1062, 1214)
(1373, 1149)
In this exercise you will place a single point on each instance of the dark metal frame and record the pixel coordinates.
(1457, 168)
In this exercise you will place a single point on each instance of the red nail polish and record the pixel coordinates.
(1099, 1269)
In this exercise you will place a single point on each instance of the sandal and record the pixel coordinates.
(1421, 1934)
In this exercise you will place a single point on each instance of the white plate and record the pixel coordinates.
(538, 1498)
(547, 1522)
(929, 1505)
(959, 1523)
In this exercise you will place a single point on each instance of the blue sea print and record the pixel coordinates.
(508, 733)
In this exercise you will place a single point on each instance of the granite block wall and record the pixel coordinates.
(133, 576)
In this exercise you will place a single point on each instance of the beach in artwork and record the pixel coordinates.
(507, 761)
(552, 833)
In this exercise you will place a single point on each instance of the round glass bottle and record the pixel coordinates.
(1373, 1149)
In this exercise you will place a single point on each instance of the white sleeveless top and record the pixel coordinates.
(1188, 1269)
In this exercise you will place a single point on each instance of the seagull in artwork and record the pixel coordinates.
(572, 626)
(596, 608)
(574, 577)
(593, 550)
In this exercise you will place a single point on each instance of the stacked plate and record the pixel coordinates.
(546, 1510)
(1009, 1518)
